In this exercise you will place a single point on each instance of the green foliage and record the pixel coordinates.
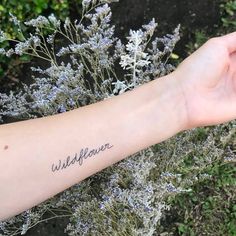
(201, 134)
(229, 14)
(25, 10)
(210, 209)
(228, 19)
(200, 37)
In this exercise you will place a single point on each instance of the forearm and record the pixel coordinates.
(40, 158)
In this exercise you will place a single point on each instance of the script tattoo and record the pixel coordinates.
(79, 158)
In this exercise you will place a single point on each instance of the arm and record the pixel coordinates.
(39, 158)
(42, 157)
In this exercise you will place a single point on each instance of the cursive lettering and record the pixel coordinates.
(79, 158)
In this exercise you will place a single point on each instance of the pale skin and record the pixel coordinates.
(201, 92)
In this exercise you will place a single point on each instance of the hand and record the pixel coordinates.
(208, 82)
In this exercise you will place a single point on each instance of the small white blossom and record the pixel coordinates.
(22, 47)
(9, 53)
(3, 36)
(14, 20)
(36, 41)
(2, 51)
(54, 21)
(67, 23)
(39, 22)
(135, 59)
(150, 28)
(86, 4)
(88, 73)
(51, 38)
(120, 87)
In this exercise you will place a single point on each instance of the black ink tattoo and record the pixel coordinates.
(79, 158)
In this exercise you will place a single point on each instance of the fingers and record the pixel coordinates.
(230, 40)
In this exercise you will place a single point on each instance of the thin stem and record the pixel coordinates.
(47, 50)
(87, 12)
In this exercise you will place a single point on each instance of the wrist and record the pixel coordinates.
(152, 113)
(171, 103)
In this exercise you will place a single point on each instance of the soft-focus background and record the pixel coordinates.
(210, 209)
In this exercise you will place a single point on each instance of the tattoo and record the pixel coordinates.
(79, 158)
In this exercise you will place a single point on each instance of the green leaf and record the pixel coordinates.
(25, 58)
(182, 228)
(1, 72)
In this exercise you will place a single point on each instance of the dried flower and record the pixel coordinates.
(87, 69)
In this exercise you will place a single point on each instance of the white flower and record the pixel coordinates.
(10, 52)
(36, 41)
(22, 47)
(40, 21)
(150, 28)
(67, 23)
(14, 20)
(51, 38)
(54, 21)
(86, 4)
(3, 36)
(120, 87)
(2, 51)
(135, 58)
(83, 77)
